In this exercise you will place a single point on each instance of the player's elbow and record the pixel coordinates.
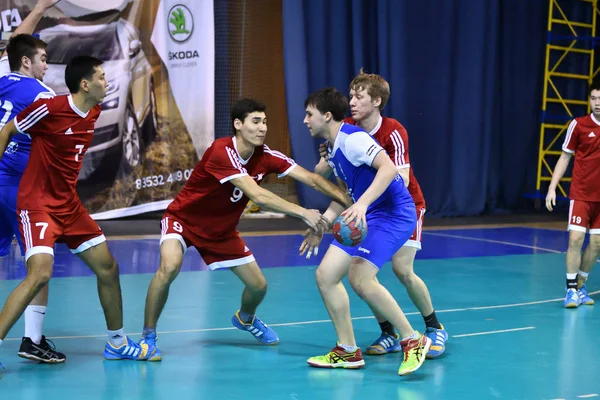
(259, 196)
(315, 181)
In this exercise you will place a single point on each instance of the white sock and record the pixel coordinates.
(572, 276)
(582, 274)
(34, 322)
(117, 338)
(415, 335)
(347, 348)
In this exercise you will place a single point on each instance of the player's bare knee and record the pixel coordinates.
(595, 243)
(40, 275)
(405, 275)
(108, 270)
(39, 269)
(169, 269)
(324, 279)
(361, 286)
(258, 285)
(576, 239)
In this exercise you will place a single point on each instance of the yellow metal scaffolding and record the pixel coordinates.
(569, 69)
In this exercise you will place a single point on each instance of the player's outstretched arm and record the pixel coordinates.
(8, 131)
(33, 18)
(321, 184)
(270, 201)
(559, 172)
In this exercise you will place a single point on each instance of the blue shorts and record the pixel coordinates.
(386, 234)
(9, 223)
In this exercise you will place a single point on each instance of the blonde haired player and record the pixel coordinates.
(369, 94)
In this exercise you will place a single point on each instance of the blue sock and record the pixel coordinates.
(148, 331)
(246, 317)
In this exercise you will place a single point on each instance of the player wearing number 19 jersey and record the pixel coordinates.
(582, 140)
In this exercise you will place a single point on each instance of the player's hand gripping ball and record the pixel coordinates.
(349, 234)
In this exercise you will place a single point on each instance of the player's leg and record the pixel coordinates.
(387, 234)
(232, 253)
(403, 266)
(389, 341)
(255, 289)
(331, 271)
(6, 226)
(85, 239)
(362, 278)
(578, 222)
(171, 258)
(35, 313)
(40, 232)
(172, 249)
(590, 255)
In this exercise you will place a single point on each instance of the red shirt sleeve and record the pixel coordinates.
(278, 162)
(396, 145)
(571, 138)
(33, 119)
(223, 163)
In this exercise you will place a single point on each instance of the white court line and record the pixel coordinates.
(587, 396)
(526, 328)
(324, 321)
(492, 241)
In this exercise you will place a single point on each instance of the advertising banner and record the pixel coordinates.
(158, 116)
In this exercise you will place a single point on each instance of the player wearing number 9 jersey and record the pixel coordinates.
(206, 212)
(49, 208)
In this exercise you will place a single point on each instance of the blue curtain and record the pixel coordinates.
(466, 79)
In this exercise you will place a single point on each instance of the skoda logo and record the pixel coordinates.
(181, 23)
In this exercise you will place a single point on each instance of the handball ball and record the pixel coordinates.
(349, 234)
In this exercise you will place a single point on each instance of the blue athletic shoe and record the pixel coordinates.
(584, 297)
(438, 341)
(150, 340)
(257, 328)
(385, 344)
(572, 299)
(129, 351)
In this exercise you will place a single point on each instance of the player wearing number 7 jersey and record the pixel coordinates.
(49, 208)
(206, 212)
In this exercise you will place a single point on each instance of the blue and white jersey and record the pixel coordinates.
(351, 157)
(17, 91)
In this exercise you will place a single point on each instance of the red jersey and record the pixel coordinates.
(392, 136)
(583, 139)
(60, 136)
(209, 204)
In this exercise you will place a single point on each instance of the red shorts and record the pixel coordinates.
(584, 215)
(217, 253)
(415, 239)
(41, 229)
